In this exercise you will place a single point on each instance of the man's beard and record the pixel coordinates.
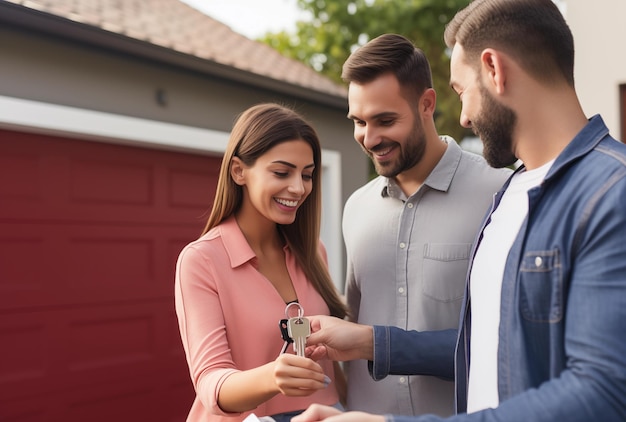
(494, 126)
(411, 152)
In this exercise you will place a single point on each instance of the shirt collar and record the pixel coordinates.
(237, 247)
(440, 178)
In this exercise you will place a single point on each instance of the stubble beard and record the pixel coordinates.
(410, 154)
(494, 125)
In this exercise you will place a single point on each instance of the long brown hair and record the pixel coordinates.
(255, 131)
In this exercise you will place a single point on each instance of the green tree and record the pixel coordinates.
(337, 27)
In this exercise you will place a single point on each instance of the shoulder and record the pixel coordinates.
(475, 163)
(601, 172)
(614, 150)
(372, 189)
(204, 249)
(605, 159)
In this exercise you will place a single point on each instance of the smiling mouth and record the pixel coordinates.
(382, 153)
(286, 202)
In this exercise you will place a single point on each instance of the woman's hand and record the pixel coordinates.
(288, 374)
(298, 376)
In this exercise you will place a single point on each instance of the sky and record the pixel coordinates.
(252, 18)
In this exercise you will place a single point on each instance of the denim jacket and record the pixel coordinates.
(561, 355)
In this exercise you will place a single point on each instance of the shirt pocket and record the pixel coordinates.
(444, 270)
(541, 286)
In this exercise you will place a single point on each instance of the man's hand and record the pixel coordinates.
(318, 412)
(340, 340)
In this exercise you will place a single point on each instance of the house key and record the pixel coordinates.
(299, 329)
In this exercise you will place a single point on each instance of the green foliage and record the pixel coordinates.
(337, 27)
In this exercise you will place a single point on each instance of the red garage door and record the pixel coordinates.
(89, 235)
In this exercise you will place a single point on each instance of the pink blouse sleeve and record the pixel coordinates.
(202, 327)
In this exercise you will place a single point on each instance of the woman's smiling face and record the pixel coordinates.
(278, 182)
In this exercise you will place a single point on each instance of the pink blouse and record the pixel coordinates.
(228, 316)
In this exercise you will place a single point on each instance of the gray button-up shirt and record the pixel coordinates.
(407, 262)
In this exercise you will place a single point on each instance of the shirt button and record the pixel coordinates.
(401, 289)
(402, 245)
(402, 380)
(409, 205)
(538, 261)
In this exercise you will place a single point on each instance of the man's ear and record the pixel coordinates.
(237, 171)
(428, 102)
(493, 66)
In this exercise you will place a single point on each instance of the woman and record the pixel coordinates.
(259, 252)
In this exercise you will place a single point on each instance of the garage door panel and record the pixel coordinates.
(23, 410)
(20, 176)
(23, 355)
(191, 189)
(80, 345)
(31, 359)
(177, 211)
(97, 181)
(89, 264)
(91, 348)
(104, 402)
(56, 178)
(140, 399)
(20, 254)
(89, 237)
(99, 263)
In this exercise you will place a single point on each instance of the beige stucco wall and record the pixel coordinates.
(599, 29)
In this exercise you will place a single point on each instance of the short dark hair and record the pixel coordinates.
(390, 53)
(533, 32)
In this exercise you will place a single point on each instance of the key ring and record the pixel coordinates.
(300, 310)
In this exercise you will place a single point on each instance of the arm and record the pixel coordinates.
(220, 385)
(401, 352)
(352, 293)
(289, 374)
(391, 350)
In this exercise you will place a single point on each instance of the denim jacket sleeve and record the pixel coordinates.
(401, 352)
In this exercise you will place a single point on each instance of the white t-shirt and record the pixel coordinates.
(486, 285)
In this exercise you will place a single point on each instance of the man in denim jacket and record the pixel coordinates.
(540, 334)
